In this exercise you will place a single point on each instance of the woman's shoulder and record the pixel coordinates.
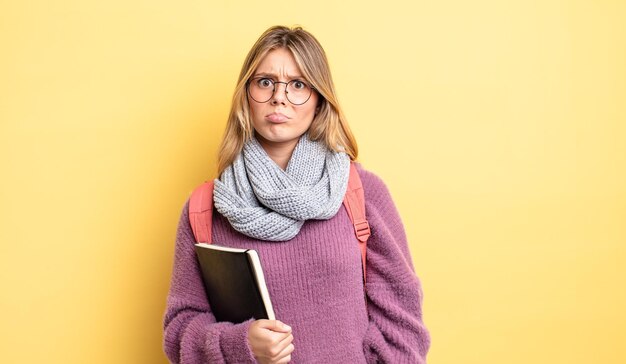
(382, 215)
(374, 187)
(369, 179)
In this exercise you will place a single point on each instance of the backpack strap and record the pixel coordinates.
(354, 201)
(201, 212)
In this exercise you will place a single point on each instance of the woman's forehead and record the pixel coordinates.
(278, 62)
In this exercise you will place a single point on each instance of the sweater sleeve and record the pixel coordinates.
(396, 332)
(191, 333)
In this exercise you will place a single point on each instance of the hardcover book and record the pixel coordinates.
(234, 283)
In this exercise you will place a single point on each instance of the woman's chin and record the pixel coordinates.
(278, 138)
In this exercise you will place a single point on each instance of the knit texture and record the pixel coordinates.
(262, 201)
(316, 286)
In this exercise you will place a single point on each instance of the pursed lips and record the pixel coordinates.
(276, 117)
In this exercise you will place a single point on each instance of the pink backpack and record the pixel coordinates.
(201, 212)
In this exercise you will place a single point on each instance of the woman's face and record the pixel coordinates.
(278, 122)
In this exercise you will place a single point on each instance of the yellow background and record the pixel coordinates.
(499, 127)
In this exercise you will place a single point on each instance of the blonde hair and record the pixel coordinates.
(329, 124)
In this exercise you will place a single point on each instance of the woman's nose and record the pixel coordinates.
(280, 93)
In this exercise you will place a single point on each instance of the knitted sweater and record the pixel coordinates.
(315, 282)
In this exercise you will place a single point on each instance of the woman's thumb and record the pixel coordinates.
(277, 325)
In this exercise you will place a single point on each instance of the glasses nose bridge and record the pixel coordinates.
(277, 95)
(276, 87)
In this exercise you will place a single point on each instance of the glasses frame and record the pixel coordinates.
(274, 89)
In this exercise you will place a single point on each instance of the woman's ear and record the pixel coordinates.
(318, 106)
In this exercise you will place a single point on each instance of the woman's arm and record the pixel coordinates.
(396, 333)
(191, 334)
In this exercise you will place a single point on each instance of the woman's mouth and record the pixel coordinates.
(276, 117)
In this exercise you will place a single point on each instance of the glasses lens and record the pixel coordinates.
(261, 89)
(298, 92)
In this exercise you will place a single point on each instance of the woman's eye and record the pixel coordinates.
(264, 82)
(299, 85)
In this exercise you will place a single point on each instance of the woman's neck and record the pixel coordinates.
(279, 152)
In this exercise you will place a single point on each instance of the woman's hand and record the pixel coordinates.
(270, 341)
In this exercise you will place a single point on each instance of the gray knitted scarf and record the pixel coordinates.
(265, 202)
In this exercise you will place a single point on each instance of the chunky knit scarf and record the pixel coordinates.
(262, 201)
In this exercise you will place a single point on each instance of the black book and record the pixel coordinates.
(234, 283)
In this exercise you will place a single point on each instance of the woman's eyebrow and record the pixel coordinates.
(271, 75)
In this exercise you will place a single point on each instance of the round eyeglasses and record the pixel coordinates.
(261, 89)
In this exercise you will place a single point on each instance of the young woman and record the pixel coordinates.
(283, 170)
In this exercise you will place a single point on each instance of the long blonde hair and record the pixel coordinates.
(329, 124)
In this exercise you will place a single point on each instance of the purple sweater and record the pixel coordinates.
(316, 286)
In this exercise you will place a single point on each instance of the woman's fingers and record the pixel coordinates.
(281, 349)
(285, 355)
(271, 341)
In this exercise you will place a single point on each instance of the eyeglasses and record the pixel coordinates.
(261, 89)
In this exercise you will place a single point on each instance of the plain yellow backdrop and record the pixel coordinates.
(499, 127)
